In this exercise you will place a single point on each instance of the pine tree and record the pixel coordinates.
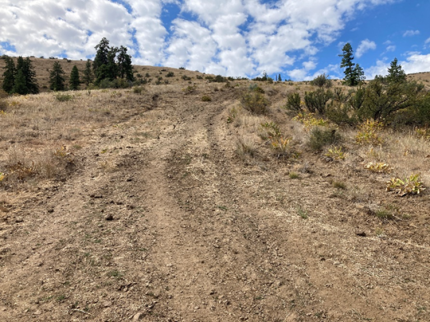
(350, 72)
(30, 77)
(56, 79)
(396, 73)
(101, 60)
(9, 75)
(88, 75)
(279, 78)
(19, 87)
(74, 79)
(112, 68)
(125, 68)
(359, 74)
(25, 82)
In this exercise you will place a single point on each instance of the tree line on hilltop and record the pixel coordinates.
(112, 67)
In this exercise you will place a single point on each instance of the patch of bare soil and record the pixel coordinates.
(162, 220)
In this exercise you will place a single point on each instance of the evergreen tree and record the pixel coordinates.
(107, 65)
(359, 74)
(88, 75)
(112, 68)
(396, 73)
(9, 75)
(56, 79)
(279, 78)
(350, 70)
(125, 69)
(74, 79)
(19, 87)
(30, 77)
(101, 60)
(25, 82)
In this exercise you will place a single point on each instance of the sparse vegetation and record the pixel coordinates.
(255, 102)
(104, 166)
(335, 153)
(411, 185)
(63, 97)
(322, 81)
(369, 133)
(378, 167)
(320, 138)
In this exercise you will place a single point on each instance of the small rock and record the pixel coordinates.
(19, 219)
(38, 312)
(138, 316)
(107, 304)
(129, 179)
(109, 217)
(50, 210)
(361, 234)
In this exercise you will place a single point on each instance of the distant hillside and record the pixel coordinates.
(43, 66)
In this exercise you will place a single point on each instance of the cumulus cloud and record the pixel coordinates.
(365, 46)
(417, 63)
(410, 33)
(390, 48)
(52, 28)
(233, 37)
(414, 63)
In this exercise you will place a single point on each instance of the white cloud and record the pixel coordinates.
(414, 63)
(410, 33)
(332, 71)
(390, 48)
(234, 37)
(417, 63)
(365, 46)
(380, 68)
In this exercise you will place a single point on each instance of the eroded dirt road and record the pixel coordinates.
(174, 227)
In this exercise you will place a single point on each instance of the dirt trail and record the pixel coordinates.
(176, 228)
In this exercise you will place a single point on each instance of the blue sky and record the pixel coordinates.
(298, 39)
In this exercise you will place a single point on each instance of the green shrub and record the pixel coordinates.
(356, 99)
(182, 68)
(340, 114)
(316, 101)
(323, 137)
(206, 98)
(217, 79)
(322, 81)
(338, 95)
(199, 77)
(63, 97)
(256, 88)
(255, 102)
(420, 112)
(293, 102)
(137, 90)
(185, 77)
(170, 74)
(382, 101)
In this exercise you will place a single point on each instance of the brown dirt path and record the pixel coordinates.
(176, 228)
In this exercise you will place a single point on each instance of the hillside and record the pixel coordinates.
(154, 205)
(43, 66)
